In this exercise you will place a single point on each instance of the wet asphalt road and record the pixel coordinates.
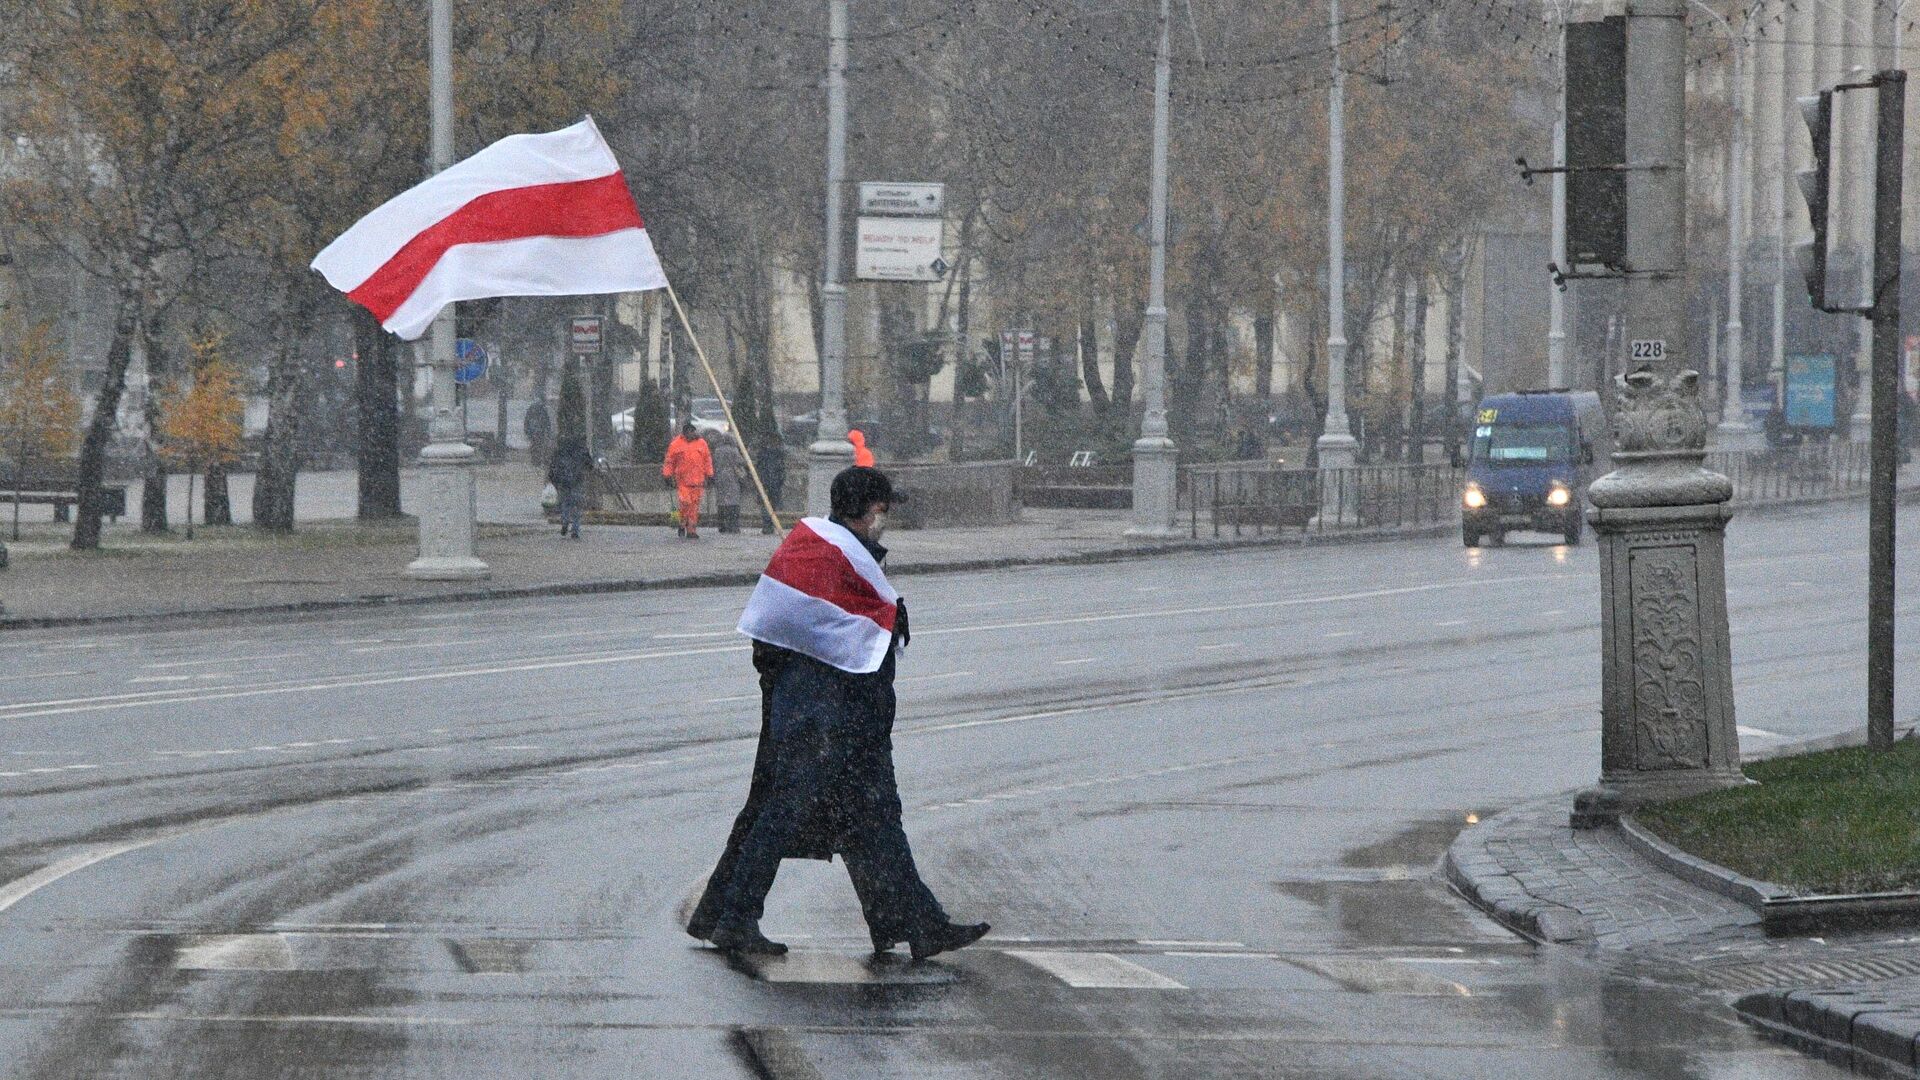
(1201, 798)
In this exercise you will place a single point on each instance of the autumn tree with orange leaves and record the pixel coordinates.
(201, 418)
(38, 409)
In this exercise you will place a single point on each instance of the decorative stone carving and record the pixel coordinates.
(1660, 440)
(1660, 414)
(1670, 690)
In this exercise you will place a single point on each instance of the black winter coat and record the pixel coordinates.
(847, 720)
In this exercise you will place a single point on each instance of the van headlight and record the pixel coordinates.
(1559, 496)
(1474, 498)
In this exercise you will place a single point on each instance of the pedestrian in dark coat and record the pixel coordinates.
(729, 473)
(823, 778)
(567, 472)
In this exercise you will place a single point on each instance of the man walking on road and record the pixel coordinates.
(689, 463)
(827, 629)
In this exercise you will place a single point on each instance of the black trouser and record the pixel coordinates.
(897, 904)
(730, 518)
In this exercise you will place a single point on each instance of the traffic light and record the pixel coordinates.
(1817, 110)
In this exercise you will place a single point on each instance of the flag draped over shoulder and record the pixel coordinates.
(531, 215)
(824, 596)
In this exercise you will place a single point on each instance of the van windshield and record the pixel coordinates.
(1522, 442)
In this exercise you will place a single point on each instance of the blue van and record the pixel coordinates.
(1531, 457)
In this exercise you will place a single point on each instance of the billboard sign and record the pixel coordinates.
(1811, 390)
(899, 249)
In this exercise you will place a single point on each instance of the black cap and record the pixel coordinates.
(857, 488)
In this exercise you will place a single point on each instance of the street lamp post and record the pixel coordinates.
(1734, 432)
(1336, 446)
(446, 488)
(830, 451)
(1155, 460)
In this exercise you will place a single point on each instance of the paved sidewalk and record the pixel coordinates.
(1855, 998)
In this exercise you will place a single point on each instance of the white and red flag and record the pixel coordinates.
(531, 215)
(824, 596)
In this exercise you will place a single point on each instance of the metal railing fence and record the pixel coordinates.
(1238, 498)
(1810, 470)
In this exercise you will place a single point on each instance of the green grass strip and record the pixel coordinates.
(1838, 821)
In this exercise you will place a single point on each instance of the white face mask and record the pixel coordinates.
(878, 528)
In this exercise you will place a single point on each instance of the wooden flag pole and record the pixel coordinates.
(733, 427)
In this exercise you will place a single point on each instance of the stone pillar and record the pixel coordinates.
(1666, 695)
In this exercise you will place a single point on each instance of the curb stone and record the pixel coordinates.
(1476, 876)
(1866, 1018)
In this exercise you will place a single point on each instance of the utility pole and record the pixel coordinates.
(1882, 325)
(1336, 446)
(831, 452)
(1155, 460)
(1556, 297)
(1889, 162)
(446, 488)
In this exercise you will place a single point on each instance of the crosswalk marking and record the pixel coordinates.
(235, 952)
(1084, 971)
(818, 966)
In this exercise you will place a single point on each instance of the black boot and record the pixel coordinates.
(745, 939)
(945, 937)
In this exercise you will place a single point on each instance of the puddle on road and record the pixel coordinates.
(1419, 844)
(1397, 899)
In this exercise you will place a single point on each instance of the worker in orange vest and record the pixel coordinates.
(689, 463)
(861, 455)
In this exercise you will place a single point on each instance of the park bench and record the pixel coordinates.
(59, 489)
(1082, 487)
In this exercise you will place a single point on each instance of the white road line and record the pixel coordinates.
(1452, 622)
(932, 678)
(1081, 710)
(1757, 733)
(422, 645)
(295, 1018)
(1087, 971)
(1221, 645)
(221, 660)
(705, 634)
(731, 700)
(30, 709)
(1075, 660)
(43, 675)
(19, 889)
(1344, 633)
(161, 678)
(1555, 611)
(1179, 944)
(1218, 955)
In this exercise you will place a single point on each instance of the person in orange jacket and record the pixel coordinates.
(862, 457)
(689, 463)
